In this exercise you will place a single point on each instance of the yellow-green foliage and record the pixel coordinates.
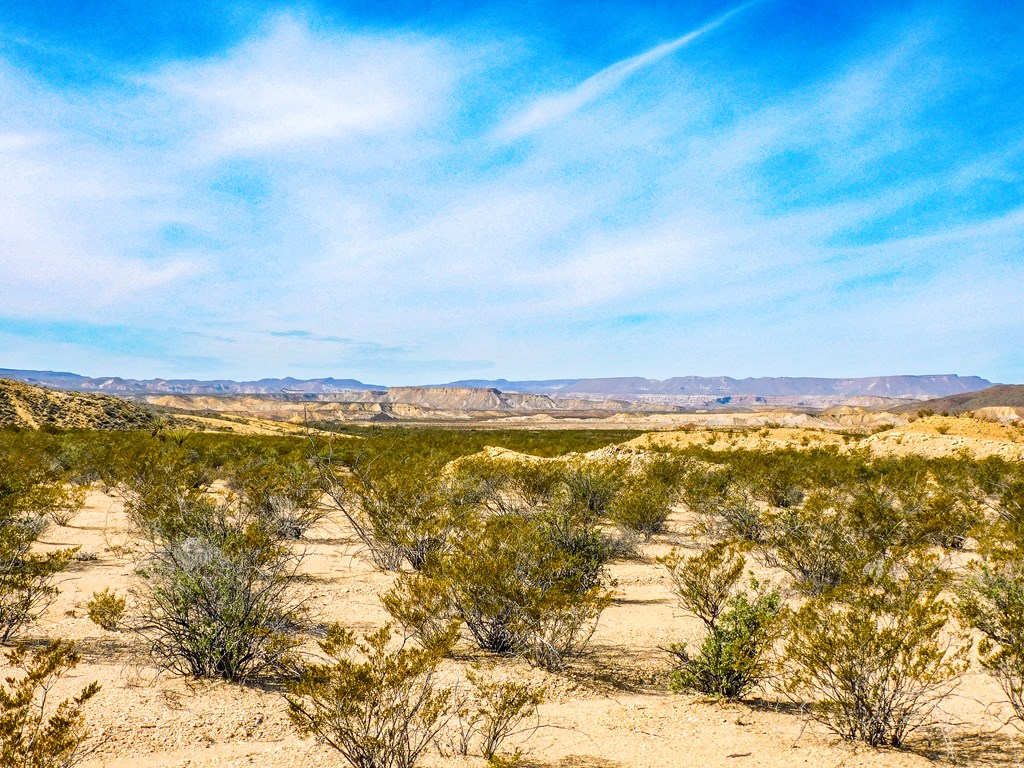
(379, 707)
(106, 609)
(874, 659)
(33, 732)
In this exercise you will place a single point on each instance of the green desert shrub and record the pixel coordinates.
(29, 491)
(645, 499)
(818, 543)
(400, 506)
(33, 732)
(218, 599)
(491, 713)
(283, 492)
(992, 601)
(106, 609)
(379, 707)
(740, 625)
(592, 487)
(379, 702)
(874, 659)
(515, 587)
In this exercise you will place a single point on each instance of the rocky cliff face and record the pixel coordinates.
(468, 399)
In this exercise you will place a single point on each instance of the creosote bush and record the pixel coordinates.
(399, 505)
(379, 708)
(875, 659)
(33, 732)
(378, 701)
(991, 600)
(491, 713)
(284, 494)
(520, 585)
(740, 625)
(645, 499)
(106, 609)
(219, 598)
(29, 491)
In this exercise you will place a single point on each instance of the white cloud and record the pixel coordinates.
(289, 87)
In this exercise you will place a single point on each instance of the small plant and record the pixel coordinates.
(106, 609)
(816, 543)
(423, 608)
(992, 601)
(732, 658)
(396, 505)
(494, 712)
(874, 659)
(645, 500)
(379, 708)
(28, 494)
(641, 506)
(25, 577)
(67, 506)
(33, 733)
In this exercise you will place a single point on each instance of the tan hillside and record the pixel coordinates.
(930, 436)
(27, 406)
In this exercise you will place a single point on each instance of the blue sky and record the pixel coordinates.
(408, 192)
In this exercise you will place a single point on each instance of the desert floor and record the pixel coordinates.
(612, 707)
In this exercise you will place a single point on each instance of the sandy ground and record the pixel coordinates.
(611, 708)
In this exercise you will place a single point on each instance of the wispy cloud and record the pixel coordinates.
(553, 108)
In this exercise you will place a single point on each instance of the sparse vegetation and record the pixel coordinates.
(33, 732)
(876, 659)
(380, 708)
(217, 521)
(740, 625)
(29, 491)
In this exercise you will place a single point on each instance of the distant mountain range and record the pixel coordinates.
(115, 385)
(626, 388)
(901, 387)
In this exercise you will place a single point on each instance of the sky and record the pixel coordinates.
(420, 192)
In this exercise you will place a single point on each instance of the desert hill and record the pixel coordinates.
(27, 406)
(999, 396)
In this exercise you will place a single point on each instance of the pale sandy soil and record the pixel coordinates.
(611, 708)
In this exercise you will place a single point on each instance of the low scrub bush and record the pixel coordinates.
(539, 594)
(992, 601)
(106, 609)
(740, 625)
(33, 732)
(283, 493)
(491, 713)
(399, 506)
(645, 499)
(29, 492)
(379, 708)
(378, 701)
(875, 659)
(219, 601)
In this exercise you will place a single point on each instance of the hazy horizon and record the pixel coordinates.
(415, 193)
